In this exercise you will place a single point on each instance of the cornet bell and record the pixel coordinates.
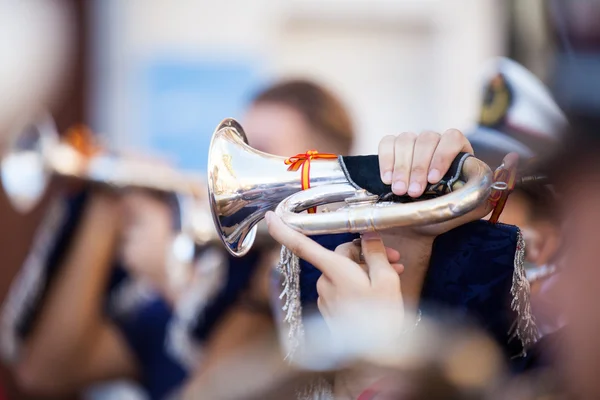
(245, 183)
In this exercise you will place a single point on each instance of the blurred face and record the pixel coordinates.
(541, 244)
(516, 211)
(541, 236)
(147, 235)
(277, 129)
(580, 283)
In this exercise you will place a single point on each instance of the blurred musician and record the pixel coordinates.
(98, 321)
(84, 318)
(575, 171)
(519, 115)
(286, 118)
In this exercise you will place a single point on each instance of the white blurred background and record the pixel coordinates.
(167, 69)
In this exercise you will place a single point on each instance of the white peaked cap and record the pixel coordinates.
(533, 107)
(518, 113)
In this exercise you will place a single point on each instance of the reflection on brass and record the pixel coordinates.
(227, 164)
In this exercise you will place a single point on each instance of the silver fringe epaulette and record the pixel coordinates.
(524, 327)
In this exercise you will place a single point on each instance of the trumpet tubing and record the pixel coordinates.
(37, 153)
(363, 212)
(120, 172)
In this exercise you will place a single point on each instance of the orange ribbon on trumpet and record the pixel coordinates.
(302, 161)
(82, 139)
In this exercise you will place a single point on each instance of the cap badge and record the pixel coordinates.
(496, 102)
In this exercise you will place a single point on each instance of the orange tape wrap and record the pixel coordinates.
(302, 161)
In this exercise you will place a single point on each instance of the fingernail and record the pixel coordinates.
(387, 177)
(414, 188)
(399, 187)
(268, 217)
(434, 176)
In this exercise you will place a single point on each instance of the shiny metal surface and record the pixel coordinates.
(23, 169)
(523, 182)
(196, 221)
(363, 213)
(245, 183)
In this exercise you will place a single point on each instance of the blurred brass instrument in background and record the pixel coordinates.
(37, 153)
(245, 183)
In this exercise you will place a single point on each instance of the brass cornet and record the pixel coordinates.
(245, 183)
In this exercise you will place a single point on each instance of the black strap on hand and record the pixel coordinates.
(363, 173)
